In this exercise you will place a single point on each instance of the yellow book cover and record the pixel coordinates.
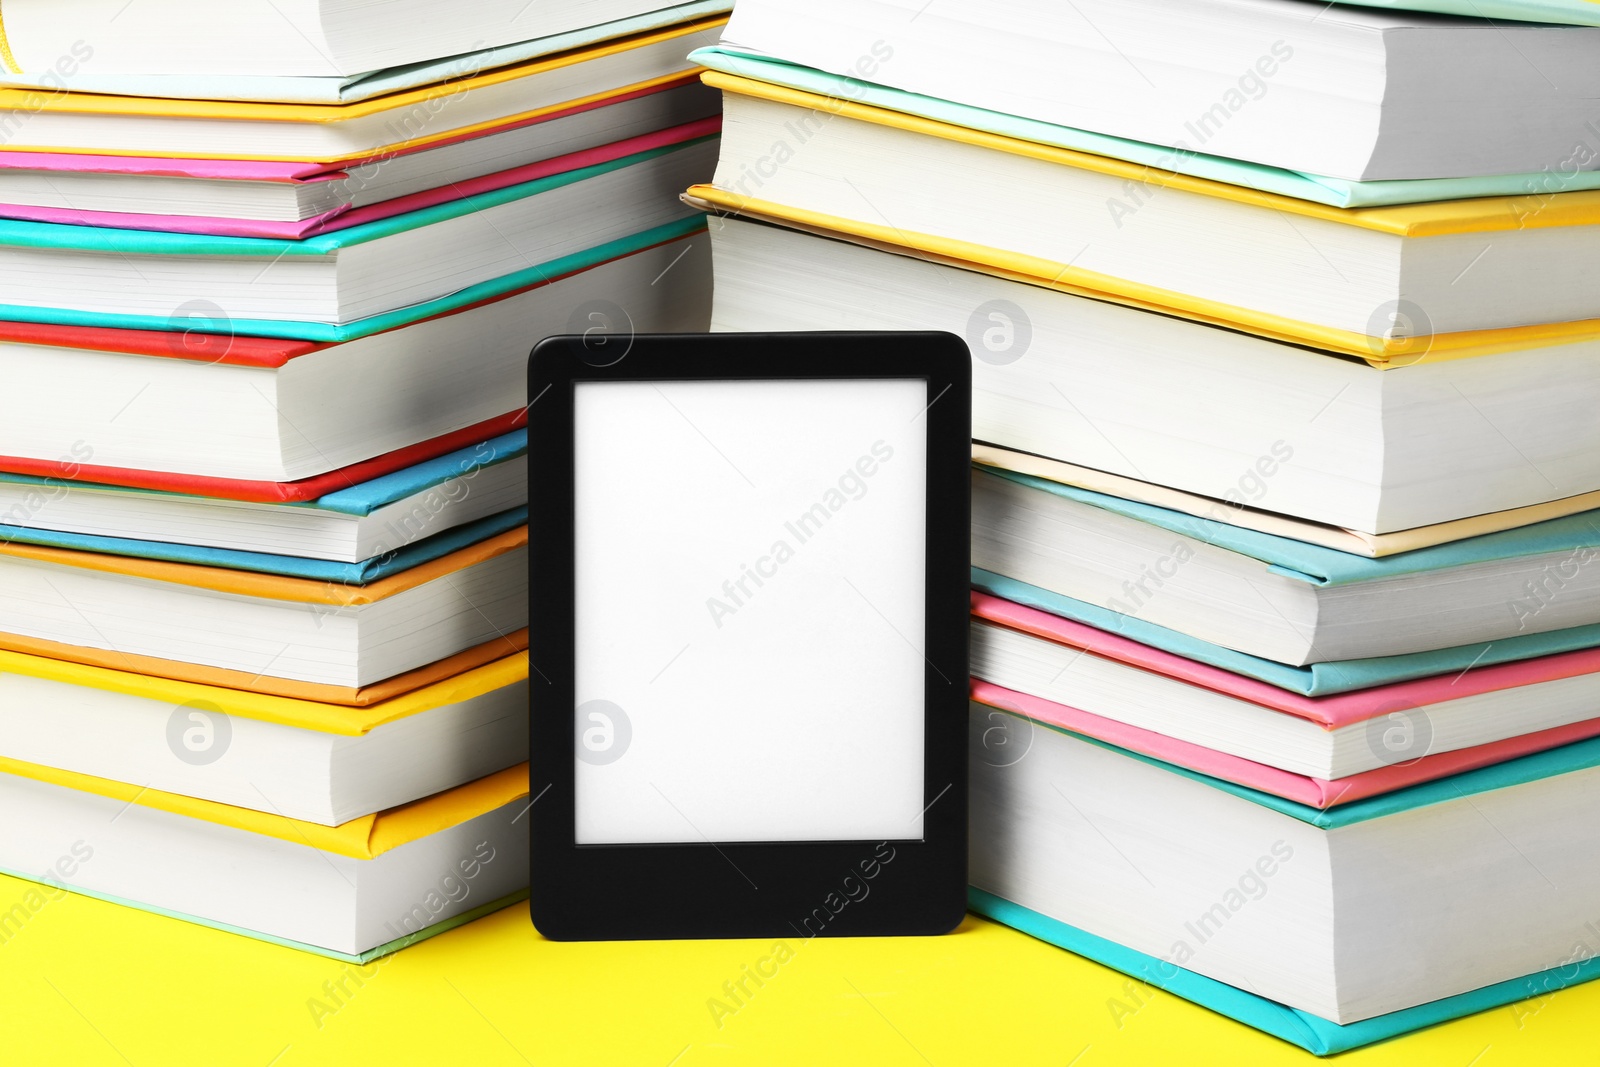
(126, 663)
(382, 125)
(1483, 215)
(302, 714)
(363, 839)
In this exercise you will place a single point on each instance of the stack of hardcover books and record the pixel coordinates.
(270, 280)
(1286, 611)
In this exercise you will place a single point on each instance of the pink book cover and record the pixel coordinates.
(329, 221)
(1314, 792)
(241, 170)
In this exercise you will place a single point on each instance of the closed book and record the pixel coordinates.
(302, 759)
(56, 120)
(356, 891)
(370, 276)
(1153, 160)
(1276, 597)
(289, 201)
(198, 395)
(1069, 373)
(1319, 751)
(1392, 283)
(303, 629)
(1312, 679)
(370, 519)
(259, 37)
(1356, 92)
(194, 82)
(1328, 928)
(1240, 513)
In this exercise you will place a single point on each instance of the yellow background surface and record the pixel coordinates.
(86, 983)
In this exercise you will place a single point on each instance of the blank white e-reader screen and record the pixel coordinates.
(749, 584)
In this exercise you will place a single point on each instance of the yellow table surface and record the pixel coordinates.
(85, 982)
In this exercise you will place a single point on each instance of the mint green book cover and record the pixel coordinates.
(1319, 189)
(25, 234)
(1319, 1036)
(395, 944)
(1563, 12)
(1312, 1032)
(1321, 566)
(1312, 680)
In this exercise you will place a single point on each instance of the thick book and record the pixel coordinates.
(1391, 282)
(1558, 12)
(423, 261)
(1275, 597)
(98, 124)
(77, 469)
(290, 201)
(261, 38)
(1069, 374)
(1281, 915)
(362, 522)
(253, 681)
(355, 891)
(180, 400)
(323, 631)
(1357, 93)
(1312, 679)
(358, 572)
(1319, 751)
(315, 762)
(1313, 1033)
(1237, 513)
(1153, 160)
(191, 83)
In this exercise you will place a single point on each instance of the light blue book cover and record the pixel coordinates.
(362, 499)
(1315, 680)
(362, 573)
(1327, 566)
(369, 496)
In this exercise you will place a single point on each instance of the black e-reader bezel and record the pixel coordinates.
(780, 889)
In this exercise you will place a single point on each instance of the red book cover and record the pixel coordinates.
(302, 491)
